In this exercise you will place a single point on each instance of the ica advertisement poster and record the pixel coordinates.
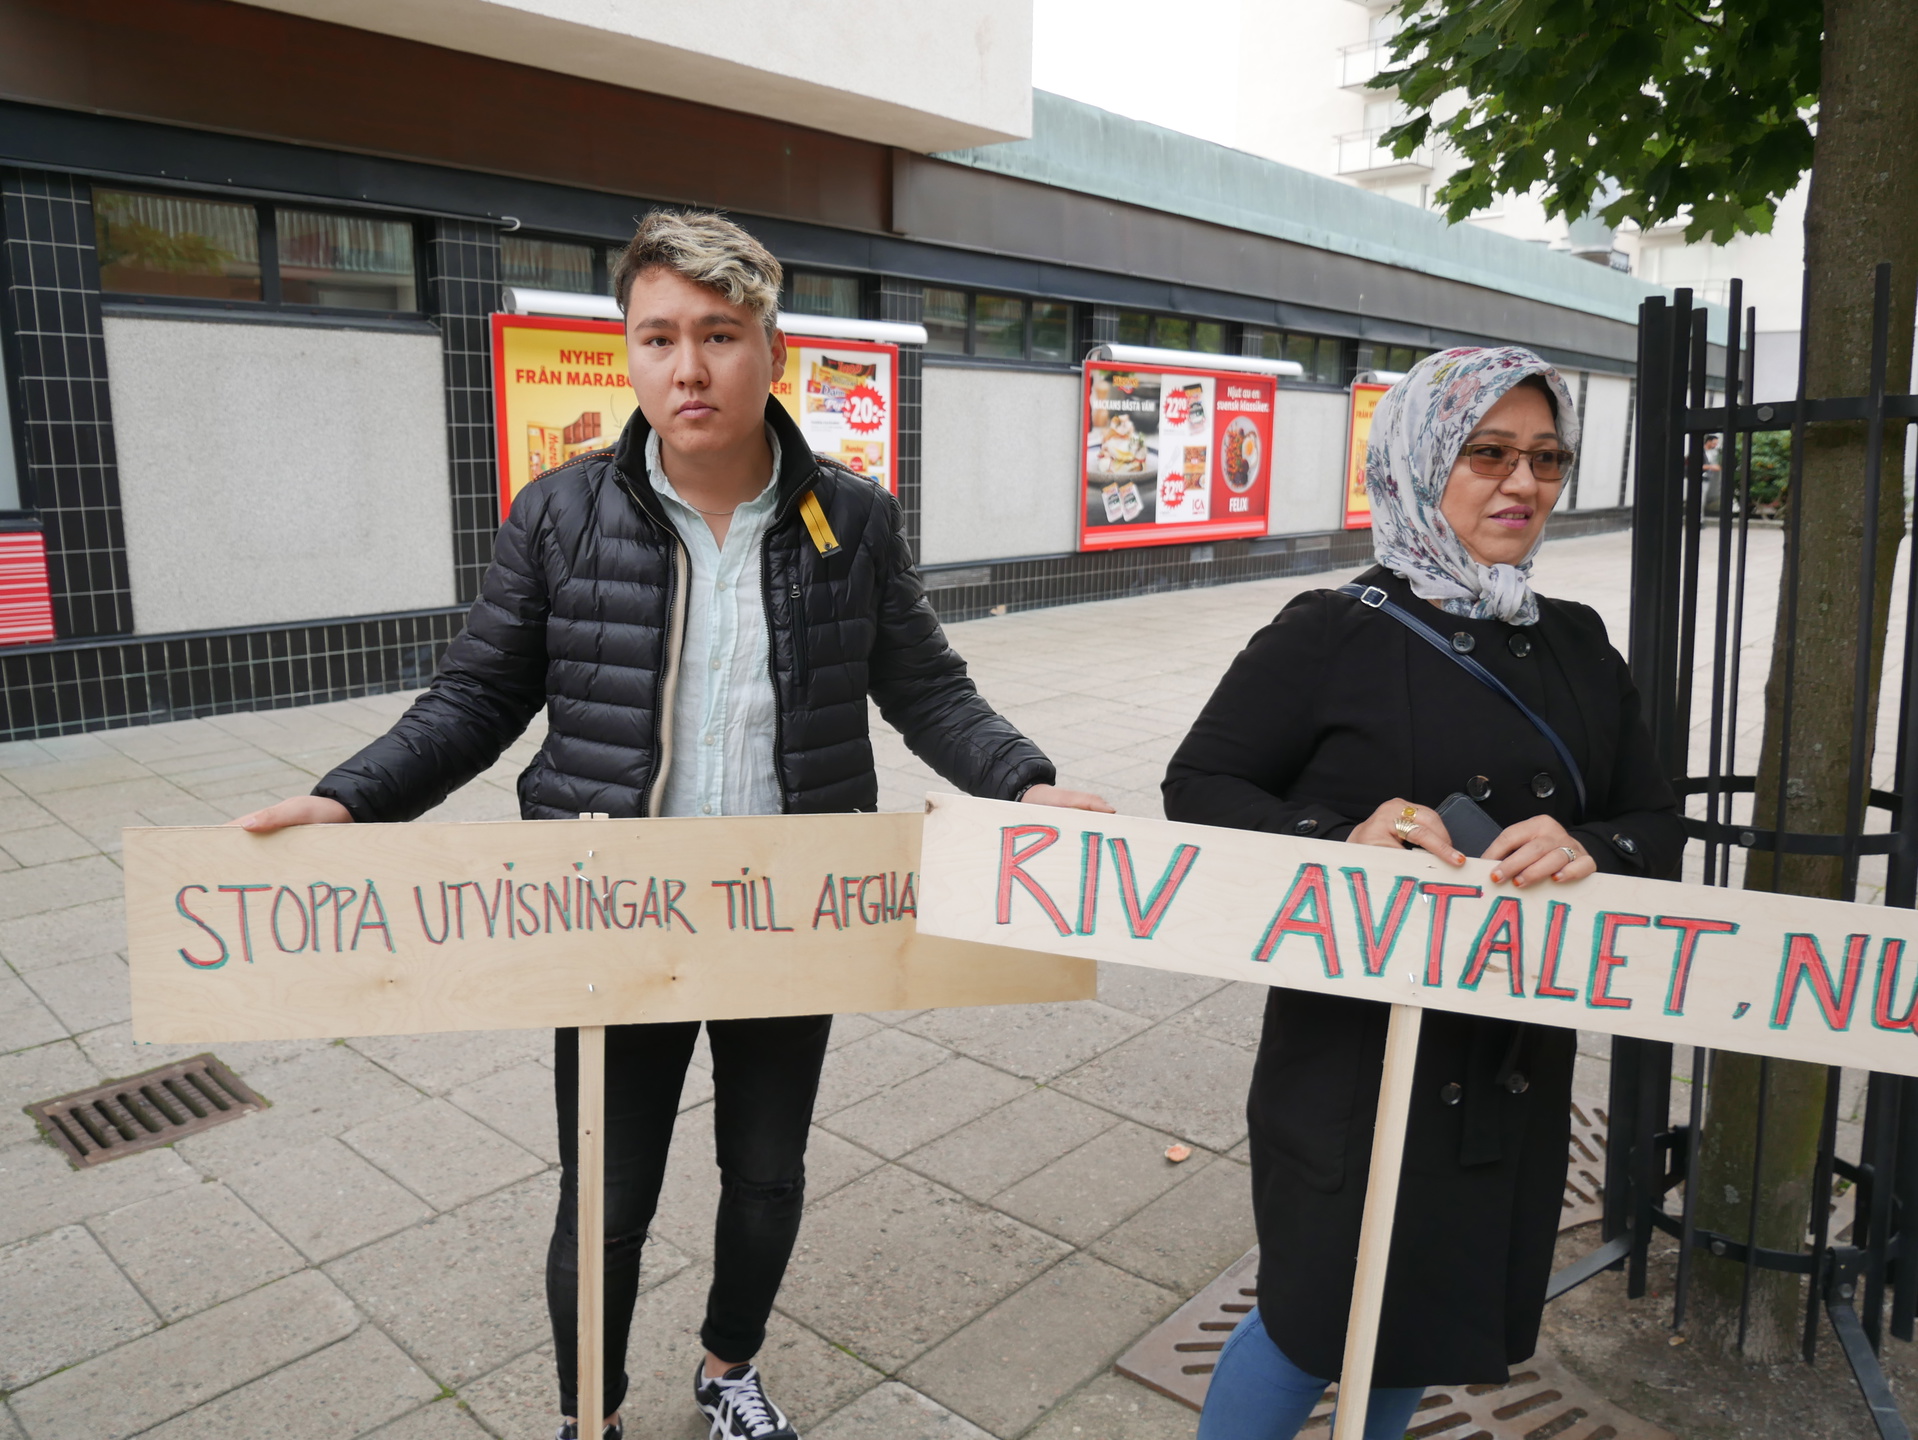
(1173, 456)
(560, 389)
(841, 393)
(1358, 505)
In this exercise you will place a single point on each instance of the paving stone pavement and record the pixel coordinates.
(991, 1220)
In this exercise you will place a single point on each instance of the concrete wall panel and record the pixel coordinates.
(1308, 461)
(1601, 465)
(274, 473)
(1001, 464)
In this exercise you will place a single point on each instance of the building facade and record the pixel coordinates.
(252, 256)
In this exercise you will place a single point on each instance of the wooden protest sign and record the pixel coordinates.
(1802, 979)
(1781, 975)
(328, 930)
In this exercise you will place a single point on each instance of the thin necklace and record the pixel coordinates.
(703, 510)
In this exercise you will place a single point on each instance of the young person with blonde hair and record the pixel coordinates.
(702, 612)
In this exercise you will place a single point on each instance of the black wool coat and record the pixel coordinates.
(582, 612)
(1328, 712)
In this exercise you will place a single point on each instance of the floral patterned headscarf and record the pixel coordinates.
(1419, 428)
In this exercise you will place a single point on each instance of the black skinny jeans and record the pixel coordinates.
(765, 1077)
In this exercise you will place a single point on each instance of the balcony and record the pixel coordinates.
(1361, 154)
(1359, 63)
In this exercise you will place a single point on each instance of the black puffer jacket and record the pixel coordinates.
(582, 613)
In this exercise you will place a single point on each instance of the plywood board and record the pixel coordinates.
(1817, 980)
(391, 929)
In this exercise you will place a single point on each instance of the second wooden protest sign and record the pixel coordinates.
(384, 929)
(1780, 975)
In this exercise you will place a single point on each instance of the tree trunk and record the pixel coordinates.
(1863, 209)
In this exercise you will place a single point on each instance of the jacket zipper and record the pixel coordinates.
(798, 607)
(666, 688)
(772, 665)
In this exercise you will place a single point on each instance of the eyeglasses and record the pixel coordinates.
(1502, 460)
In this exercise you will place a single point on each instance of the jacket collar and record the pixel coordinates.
(798, 467)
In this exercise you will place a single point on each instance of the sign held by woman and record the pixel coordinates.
(1817, 980)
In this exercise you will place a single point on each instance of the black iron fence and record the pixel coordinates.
(1693, 577)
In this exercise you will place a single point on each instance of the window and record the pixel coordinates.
(173, 247)
(1320, 356)
(815, 294)
(547, 265)
(1174, 332)
(169, 245)
(1397, 357)
(345, 262)
(1051, 331)
(945, 321)
(997, 327)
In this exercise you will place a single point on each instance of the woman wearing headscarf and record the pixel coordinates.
(1339, 722)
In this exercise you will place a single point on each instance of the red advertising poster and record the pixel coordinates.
(560, 389)
(1174, 456)
(841, 393)
(1358, 505)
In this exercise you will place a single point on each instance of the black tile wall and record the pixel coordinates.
(905, 301)
(65, 688)
(52, 314)
(463, 290)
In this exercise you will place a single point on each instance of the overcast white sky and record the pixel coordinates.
(1173, 64)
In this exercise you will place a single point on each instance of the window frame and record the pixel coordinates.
(789, 289)
(602, 272)
(270, 303)
(1025, 360)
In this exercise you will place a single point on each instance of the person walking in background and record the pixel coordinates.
(702, 612)
(1352, 717)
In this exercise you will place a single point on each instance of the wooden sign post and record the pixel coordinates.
(1782, 975)
(331, 930)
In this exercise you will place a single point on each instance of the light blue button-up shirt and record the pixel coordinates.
(724, 709)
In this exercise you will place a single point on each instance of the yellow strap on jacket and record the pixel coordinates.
(815, 517)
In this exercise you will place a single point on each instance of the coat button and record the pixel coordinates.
(1625, 843)
(1463, 642)
(1517, 1083)
(1544, 786)
(1305, 827)
(1520, 645)
(1479, 788)
(1451, 1092)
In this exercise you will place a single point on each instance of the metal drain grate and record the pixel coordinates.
(1176, 1356)
(1541, 1400)
(144, 1111)
(1585, 1174)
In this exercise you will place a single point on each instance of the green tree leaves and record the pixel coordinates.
(1651, 109)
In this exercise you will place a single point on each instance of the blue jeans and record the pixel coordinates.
(1258, 1394)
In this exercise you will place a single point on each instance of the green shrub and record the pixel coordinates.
(1770, 468)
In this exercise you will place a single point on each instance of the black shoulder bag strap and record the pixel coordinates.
(1377, 599)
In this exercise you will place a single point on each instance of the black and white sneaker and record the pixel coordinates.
(737, 1405)
(570, 1431)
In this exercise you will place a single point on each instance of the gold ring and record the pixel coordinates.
(1406, 824)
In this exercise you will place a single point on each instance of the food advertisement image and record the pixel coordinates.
(560, 389)
(1358, 505)
(1174, 456)
(841, 394)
